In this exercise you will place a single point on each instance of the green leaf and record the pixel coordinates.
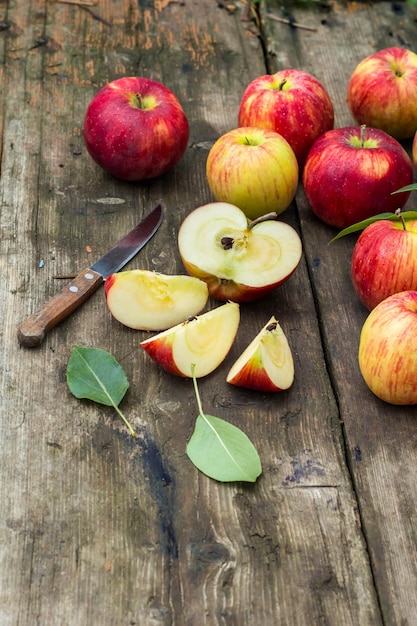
(220, 450)
(412, 187)
(95, 374)
(393, 217)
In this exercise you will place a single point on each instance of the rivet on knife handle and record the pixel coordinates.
(32, 331)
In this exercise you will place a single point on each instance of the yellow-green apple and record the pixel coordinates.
(382, 92)
(351, 173)
(414, 150)
(203, 341)
(267, 363)
(384, 260)
(135, 128)
(388, 349)
(146, 300)
(240, 260)
(293, 103)
(255, 169)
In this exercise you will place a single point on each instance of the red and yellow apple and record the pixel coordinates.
(135, 128)
(382, 92)
(388, 349)
(255, 169)
(267, 363)
(239, 260)
(351, 174)
(146, 300)
(291, 102)
(203, 341)
(414, 150)
(384, 260)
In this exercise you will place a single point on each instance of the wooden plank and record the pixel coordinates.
(98, 528)
(380, 439)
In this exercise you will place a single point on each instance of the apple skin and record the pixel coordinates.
(239, 261)
(414, 150)
(203, 341)
(291, 102)
(384, 261)
(382, 92)
(266, 364)
(253, 168)
(388, 349)
(135, 129)
(351, 173)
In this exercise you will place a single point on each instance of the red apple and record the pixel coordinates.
(267, 363)
(384, 261)
(291, 102)
(388, 349)
(135, 128)
(146, 300)
(382, 92)
(255, 169)
(351, 173)
(238, 259)
(203, 341)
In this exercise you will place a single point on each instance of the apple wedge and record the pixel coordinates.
(239, 260)
(203, 341)
(146, 300)
(267, 363)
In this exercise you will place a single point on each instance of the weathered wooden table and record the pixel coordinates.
(97, 528)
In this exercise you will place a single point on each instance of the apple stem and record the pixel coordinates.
(282, 83)
(263, 218)
(363, 130)
(399, 214)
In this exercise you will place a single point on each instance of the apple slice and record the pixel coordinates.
(267, 363)
(146, 300)
(240, 260)
(203, 341)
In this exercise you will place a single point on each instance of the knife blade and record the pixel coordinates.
(33, 330)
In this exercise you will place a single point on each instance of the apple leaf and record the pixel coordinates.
(393, 217)
(412, 187)
(94, 374)
(220, 450)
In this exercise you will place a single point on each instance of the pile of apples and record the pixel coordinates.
(236, 249)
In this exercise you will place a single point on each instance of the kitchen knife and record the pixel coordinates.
(32, 331)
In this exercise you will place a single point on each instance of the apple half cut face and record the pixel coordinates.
(239, 260)
(203, 340)
(267, 363)
(146, 300)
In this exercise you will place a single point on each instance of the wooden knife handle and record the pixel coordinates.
(32, 331)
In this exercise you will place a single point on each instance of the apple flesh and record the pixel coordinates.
(382, 92)
(384, 261)
(351, 174)
(267, 363)
(255, 169)
(388, 349)
(291, 102)
(239, 260)
(203, 341)
(135, 129)
(145, 300)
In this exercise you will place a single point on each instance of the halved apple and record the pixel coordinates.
(239, 260)
(203, 341)
(146, 300)
(267, 363)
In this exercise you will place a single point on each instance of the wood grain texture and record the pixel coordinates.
(97, 527)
